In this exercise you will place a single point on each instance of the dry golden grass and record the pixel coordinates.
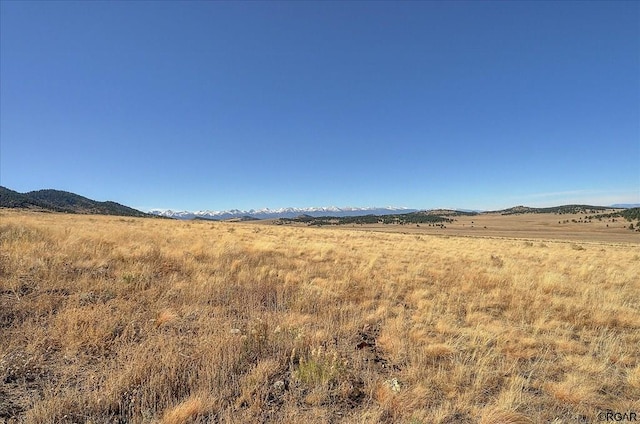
(185, 412)
(107, 319)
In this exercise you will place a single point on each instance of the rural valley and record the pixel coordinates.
(137, 320)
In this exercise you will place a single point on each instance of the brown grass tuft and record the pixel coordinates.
(504, 417)
(166, 317)
(185, 412)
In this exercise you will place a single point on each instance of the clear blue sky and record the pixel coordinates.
(218, 105)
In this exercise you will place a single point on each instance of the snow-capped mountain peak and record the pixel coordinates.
(288, 212)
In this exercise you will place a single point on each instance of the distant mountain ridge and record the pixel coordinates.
(563, 209)
(63, 201)
(336, 212)
(290, 212)
(626, 205)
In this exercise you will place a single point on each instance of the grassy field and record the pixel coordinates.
(134, 320)
(577, 227)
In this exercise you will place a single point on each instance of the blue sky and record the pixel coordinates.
(219, 105)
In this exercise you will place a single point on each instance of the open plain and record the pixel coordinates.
(139, 320)
(581, 227)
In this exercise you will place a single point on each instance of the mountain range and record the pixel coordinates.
(63, 201)
(267, 213)
(626, 205)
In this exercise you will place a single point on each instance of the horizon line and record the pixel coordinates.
(200, 210)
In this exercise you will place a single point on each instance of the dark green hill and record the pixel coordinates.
(631, 214)
(201, 218)
(63, 201)
(13, 199)
(564, 209)
(421, 217)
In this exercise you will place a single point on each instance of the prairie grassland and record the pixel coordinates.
(107, 319)
(575, 227)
